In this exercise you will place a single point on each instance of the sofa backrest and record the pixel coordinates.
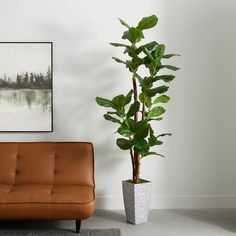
(70, 163)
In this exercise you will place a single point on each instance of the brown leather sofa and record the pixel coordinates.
(47, 181)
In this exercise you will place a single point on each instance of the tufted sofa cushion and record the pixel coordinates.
(37, 175)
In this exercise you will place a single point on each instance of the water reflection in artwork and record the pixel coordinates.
(38, 99)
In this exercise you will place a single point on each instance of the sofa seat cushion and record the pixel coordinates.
(39, 193)
(46, 211)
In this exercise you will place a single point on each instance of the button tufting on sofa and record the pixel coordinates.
(46, 181)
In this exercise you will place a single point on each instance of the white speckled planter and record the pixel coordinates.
(137, 199)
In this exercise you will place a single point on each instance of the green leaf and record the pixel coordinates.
(130, 124)
(152, 153)
(140, 80)
(141, 129)
(119, 45)
(159, 142)
(124, 143)
(147, 22)
(124, 23)
(141, 125)
(104, 102)
(174, 68)
(136, 61)
(133, 109)
(163, 99)
(162, 135)
(120, 111)
(119, 60)
(148, 82)
(143, 98)
(133, 65)
(112, 112)
(137, 34)
(131, 51)
(124, 130)
(165, 78)
(156, 111)
(118, 100)
(127, 128)
(154, 53)
(159, 118)
(170, 55)
(141, 146)
(161, 50)
(152, 141)
(134, 35)
(148, 46)
(127, 35)
(142, 133)
(130, 66)
(128, 98)
(149, 55)
(152, 64)
(110, 118)
(160, 89)
(115, 113)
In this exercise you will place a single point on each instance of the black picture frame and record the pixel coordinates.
(51, 85)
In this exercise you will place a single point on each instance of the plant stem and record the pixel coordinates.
(133, 162)
(137, 168)
(143, 111)
(136, 160)
(135, 96)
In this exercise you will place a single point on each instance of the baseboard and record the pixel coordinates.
(173, 202)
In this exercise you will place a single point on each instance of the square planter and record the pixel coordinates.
(137, 199)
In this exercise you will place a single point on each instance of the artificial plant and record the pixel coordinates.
(138, 134)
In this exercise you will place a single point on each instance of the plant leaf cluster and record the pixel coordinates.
(138, 135)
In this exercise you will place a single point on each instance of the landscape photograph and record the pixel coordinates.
(25, 87)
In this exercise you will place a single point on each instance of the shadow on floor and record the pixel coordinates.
(33, 225)
(111, 215)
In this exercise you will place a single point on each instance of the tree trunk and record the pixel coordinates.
(143, 111)
(133, 163)
(135, 97)
(135, 155)
(137, 168)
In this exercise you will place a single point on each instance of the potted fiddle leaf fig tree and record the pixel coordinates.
(136, 111)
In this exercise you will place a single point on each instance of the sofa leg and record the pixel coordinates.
(78, 224)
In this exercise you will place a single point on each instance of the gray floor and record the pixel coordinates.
(161, 223)
(170, 223)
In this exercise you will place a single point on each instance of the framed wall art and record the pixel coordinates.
(26, 99)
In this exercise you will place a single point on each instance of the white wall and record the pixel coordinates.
(199, 170)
